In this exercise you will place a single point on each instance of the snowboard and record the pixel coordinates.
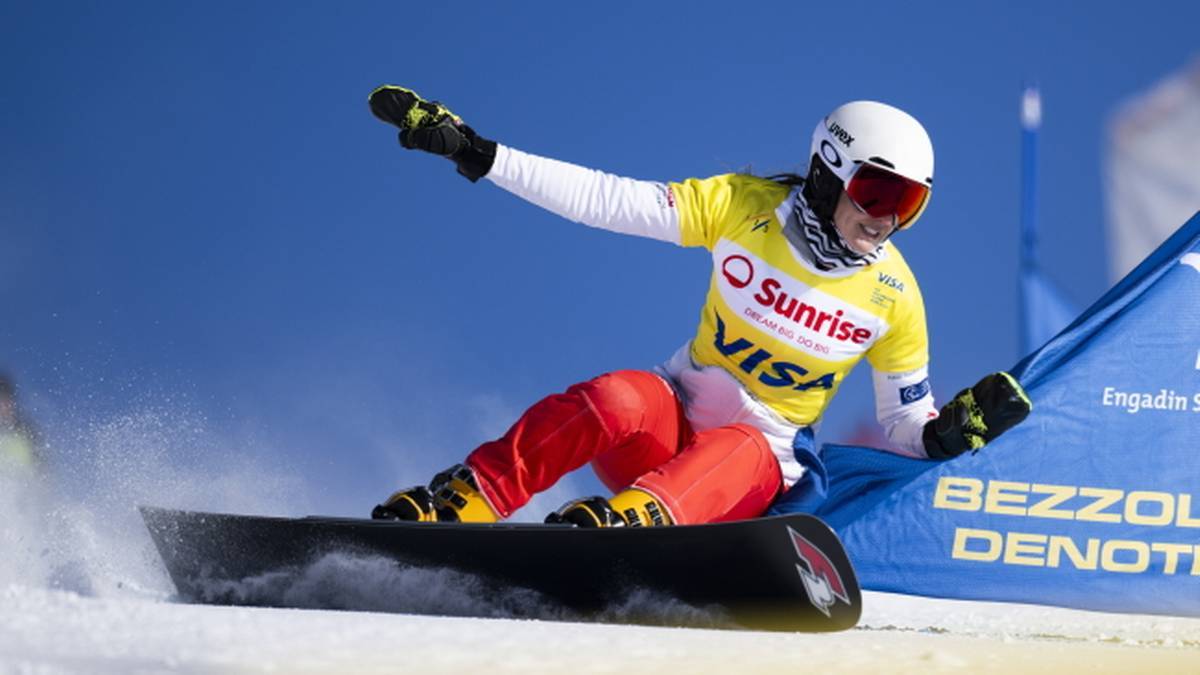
(781, 573)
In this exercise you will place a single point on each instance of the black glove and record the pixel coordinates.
(976, 416)
(430, 126)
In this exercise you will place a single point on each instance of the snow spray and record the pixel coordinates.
(363, 582)
(77, 528)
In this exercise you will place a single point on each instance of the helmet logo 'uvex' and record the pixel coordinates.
(841, 134)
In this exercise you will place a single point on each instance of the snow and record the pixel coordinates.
(48, 631)
(82, 591)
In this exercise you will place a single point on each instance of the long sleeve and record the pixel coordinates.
(903, 404)
(587, 196)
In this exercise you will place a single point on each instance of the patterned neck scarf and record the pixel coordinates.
(829, 250)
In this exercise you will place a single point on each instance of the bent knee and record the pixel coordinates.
(621, 399)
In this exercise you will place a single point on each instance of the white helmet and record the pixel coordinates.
(880, 155)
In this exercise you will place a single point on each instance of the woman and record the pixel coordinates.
(806, 283)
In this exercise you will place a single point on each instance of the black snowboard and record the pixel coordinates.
(782, 573)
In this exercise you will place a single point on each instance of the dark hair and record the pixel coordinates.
(789, 179)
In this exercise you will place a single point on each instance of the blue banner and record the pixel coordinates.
(1093, 502)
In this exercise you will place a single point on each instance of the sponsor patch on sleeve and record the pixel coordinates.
(914, 392)
(665, 196)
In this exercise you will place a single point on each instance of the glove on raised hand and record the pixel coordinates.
(976, 416)
(430, 126)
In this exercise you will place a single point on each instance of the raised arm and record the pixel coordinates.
(574, 192)
(588, 196)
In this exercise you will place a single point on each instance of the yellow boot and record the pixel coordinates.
(452, 496)
(628, 508)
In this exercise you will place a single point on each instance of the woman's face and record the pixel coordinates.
(860, 231)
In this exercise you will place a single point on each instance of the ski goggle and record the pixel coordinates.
(879, 193)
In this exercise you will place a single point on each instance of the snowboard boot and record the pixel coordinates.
(453, 496)
(628, 508)
(414, 503)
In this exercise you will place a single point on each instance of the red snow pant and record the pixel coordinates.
(630, 425)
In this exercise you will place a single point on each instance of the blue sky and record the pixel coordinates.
(200, 218)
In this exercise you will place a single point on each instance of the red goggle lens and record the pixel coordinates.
(881, 193)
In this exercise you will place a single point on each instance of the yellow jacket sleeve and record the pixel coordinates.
(704, 205)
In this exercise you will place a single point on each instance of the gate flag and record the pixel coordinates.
(1093, 502)
(1044, 309)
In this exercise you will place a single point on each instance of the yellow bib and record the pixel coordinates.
(788, 332)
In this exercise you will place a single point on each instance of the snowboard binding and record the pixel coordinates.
(453, 496)
(629, 508)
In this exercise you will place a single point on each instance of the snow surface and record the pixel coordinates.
(82, 591)
(47, 631)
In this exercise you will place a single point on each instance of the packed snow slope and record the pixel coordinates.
(82, 591)
(56, 631)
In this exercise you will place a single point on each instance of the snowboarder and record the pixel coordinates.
(806, 282)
